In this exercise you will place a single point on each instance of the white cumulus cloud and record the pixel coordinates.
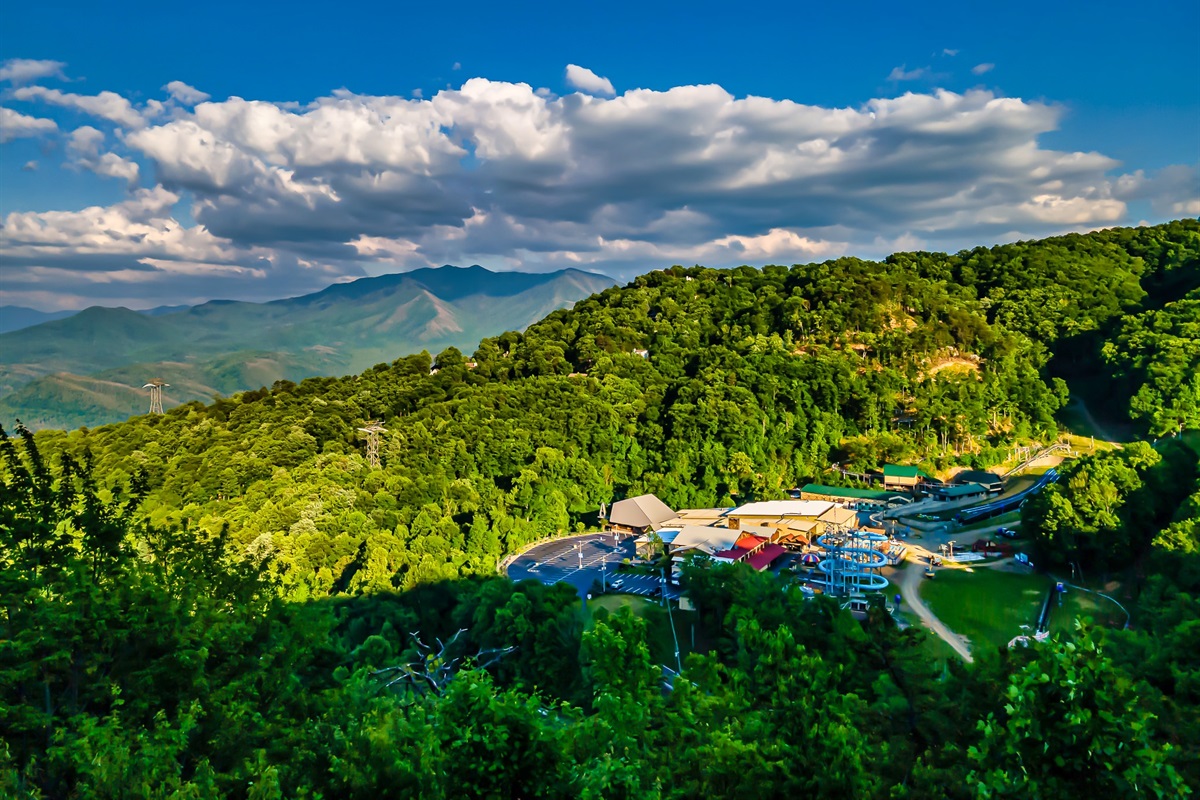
(585, 80)
(84, 148)
(185, 94)
(287, 197)
(25, 70)
(980, 69)
(106, 105)
(15, 125)
(902, 73)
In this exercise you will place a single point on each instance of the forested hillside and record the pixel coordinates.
(751, 382)
(245, 554)
(152, 663)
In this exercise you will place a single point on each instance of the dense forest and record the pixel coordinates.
(197, 604)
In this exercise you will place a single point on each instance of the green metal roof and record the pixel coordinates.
(843, 491)
(898, 471)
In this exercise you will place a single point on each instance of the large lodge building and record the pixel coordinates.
(756, 533)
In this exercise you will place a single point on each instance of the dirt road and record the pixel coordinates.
(910, 585)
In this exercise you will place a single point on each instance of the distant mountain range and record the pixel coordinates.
(13, 318)
(87, 368)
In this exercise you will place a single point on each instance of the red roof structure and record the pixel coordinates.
(748, 541)
(734, 554)
(763, 558)
(754, 551)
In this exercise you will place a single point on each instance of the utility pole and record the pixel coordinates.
(372, 429)
(156, 386)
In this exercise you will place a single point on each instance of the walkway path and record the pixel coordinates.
(910, 586)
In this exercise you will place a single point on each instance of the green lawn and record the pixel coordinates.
(1082, 605)
(658, 624)
(1001, 519)
(613, 602)
(987, 606)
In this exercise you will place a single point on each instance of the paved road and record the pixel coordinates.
(583, 561)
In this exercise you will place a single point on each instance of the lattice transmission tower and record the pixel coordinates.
(156, 386)
(372, 429)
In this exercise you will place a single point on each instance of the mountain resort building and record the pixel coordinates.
(990, 481)
(960, 492)
(639, 515)
(772, 513)
(903, 478)
(862, 498)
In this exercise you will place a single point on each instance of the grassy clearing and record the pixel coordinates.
(613, 603)
(1007, 518)
(658, 625)
(1083, 445)
(1077, 420)
(1082, 605)
(939, 650)
(987, 606)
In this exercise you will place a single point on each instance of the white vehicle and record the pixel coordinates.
(618, 583)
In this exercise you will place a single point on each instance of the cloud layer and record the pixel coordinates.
(289, 197)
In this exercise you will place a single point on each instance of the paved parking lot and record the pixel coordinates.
(583, 561)
(644, 585)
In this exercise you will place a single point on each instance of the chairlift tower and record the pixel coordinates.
(372, 429)
(156, 386)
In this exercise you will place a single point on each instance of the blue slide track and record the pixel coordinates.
(997, 507)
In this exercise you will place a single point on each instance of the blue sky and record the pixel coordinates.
(981, 105)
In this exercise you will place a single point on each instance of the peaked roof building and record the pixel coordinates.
(639, 514)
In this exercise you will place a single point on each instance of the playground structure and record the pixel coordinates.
(851, 563)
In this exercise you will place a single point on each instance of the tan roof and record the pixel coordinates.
(705, 539)
(643, 511)
(800, 525)
(783, 508)
(838, 516)
(693, 513)
(683, 522)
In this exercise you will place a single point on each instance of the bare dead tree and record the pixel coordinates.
(433, 670)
